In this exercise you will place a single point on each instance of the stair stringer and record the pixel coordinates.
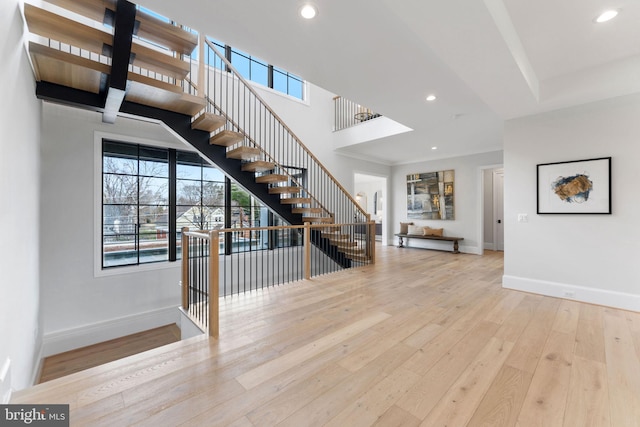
(181, 124)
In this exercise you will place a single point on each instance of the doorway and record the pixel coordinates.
(493, 208)
(498, 209)
(371, 193)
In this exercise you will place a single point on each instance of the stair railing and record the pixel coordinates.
(208, 274)
(231, 95)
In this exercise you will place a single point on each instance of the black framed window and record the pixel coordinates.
(259, 71)
(200, 195)
(135, 204)
(149, 194)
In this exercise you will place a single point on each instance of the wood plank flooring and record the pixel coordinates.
(67, 363)
(421, 338)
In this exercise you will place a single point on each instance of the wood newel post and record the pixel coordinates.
(185, 268)
(307, 250)
(372, 240)
(214, 284)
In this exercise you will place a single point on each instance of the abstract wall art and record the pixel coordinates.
(430, 195)
(575, 187)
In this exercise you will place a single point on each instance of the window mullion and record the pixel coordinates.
(137, 224)
(172, 220)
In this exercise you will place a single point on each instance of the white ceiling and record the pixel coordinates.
(486, 60)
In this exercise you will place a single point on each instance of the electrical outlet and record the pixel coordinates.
(5, 381)
(523, 218)
(569, 294)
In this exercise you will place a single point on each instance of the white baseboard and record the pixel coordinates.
(38, 362)
(70, 339)
(573, 292)
(489, 246)
(188, 329)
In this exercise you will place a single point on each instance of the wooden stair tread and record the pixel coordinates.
(344, 243)
(352, 251)
(258, 166)
(92, 9)
(155, 93)
(306, 210)
(271, 178)
(151, 28)
(317, 219)
(226, 138)
(65, 69)
(165, 33)
(295, 200)
(54, 66)
(334, 235)
(284, 190)
(50, 25)
(244, 153)
(159, 62)
(208, 122)
(359, 258)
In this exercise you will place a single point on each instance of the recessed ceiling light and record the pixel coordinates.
(431, 98)
(607, 15)
(434, 148)
(308, 11)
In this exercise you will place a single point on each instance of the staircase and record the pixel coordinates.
(107, 56)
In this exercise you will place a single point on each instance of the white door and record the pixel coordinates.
(498, 209)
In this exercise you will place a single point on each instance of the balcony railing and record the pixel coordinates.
(347, 113)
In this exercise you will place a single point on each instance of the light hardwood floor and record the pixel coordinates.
(420, 338)
(60, 365)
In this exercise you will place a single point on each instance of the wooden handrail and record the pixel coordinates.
(304, 147)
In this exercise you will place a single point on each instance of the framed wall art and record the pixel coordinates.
(575, 187)
(430, 195)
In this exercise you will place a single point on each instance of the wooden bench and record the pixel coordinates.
(416, 236)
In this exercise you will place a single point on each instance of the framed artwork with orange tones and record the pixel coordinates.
(575, 187)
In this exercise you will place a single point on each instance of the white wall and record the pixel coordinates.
(20, 112)
(312, 122)
(80, 307)
(468, 197)
(590, 258)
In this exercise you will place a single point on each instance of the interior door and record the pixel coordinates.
(498, 209)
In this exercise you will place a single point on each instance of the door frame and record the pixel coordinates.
(498, 215)
(480, 218)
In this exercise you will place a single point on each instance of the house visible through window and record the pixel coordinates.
(150, 194)
(135, 197)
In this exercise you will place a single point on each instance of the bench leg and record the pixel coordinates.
(400, 243)
(455, 247)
